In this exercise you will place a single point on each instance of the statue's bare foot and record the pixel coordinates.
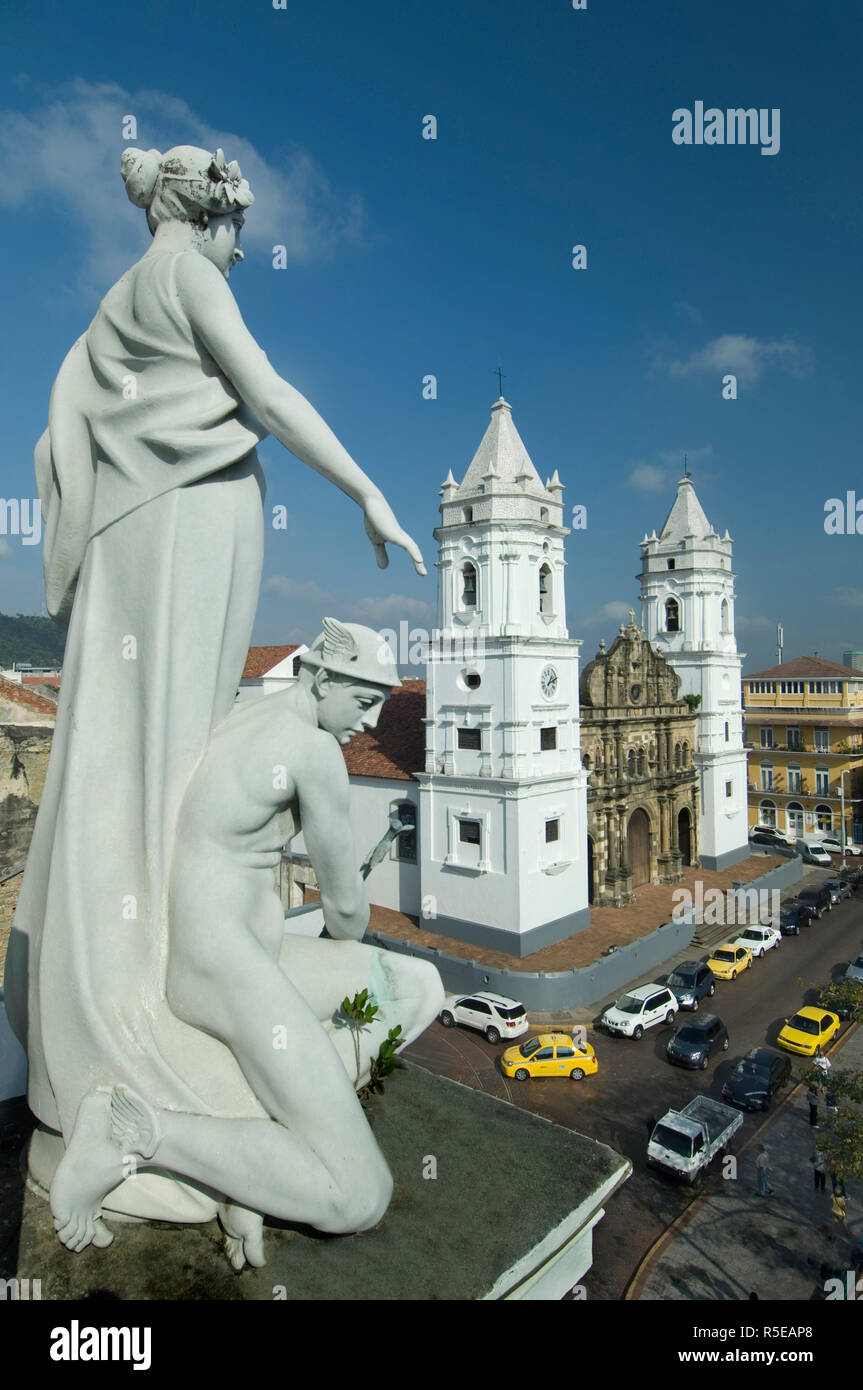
(244, 1235)
(89, 1169)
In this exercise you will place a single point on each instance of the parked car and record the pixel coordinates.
(838, 888)
(855, 970)
(685, 1141)
(810, 1028)
(756, 1079)
(792, 916)
(811, 853)
(729, 960)
(853, 877)
(818, 901)
(759, 939)
(694, 1043)
(691, 981)
(639, 1009)
(833, 845)
(772, 831)
(491, 1014)
(549, 1054)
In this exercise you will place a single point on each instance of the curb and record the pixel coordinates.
(644, 1268)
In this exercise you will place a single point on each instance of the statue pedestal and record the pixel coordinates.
(490, 1202)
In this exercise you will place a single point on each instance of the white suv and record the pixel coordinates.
(640, 1009)
(491, 1014)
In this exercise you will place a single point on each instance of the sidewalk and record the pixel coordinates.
(732, 1242)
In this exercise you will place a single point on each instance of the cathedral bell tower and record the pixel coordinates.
(687, 592)
(503, 801)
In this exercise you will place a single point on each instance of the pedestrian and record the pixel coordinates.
(762, 1165)
(822, 1063)
(812, 1098)
(819, 1170)
(831, 1103)
(837, 1184)
(840, 1215)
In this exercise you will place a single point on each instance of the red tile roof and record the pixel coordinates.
(397, 747)
(803, 666)
(42, 680)
(14, 694)
(262, 659)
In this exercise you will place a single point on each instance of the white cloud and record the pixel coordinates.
(374, 610)
(746, 358)
(647, 478)
(65, 154)
(849, 598)
(610, 613)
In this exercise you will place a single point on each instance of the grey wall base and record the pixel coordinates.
(717, 862)
(544, 992)
(518, 944)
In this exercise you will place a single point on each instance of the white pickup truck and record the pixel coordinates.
(685, 1141)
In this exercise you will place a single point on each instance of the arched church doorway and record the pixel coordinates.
(590, 870)
(684, 835)
(638, 847)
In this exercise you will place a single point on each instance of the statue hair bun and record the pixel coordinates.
(140, 169)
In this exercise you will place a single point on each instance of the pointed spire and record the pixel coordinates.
(686, 517)
(554, 484)
(501, 450)
(449, 486)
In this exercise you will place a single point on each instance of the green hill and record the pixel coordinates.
(27, 637)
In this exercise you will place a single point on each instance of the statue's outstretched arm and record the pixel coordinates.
(283, 411)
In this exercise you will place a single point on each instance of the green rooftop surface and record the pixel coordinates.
(505, 1180)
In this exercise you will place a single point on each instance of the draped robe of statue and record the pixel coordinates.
(152, 495)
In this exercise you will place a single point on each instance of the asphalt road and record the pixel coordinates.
(635, 1081)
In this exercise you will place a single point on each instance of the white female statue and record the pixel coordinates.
(151, 493)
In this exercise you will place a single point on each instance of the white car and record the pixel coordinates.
(832, 845)
(639, 1009)
(491, 1014)
(759, 940)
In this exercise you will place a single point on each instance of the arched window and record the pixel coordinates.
(672, 615)
(585, 762)
(823, 818)
(724, 621)
(767, 813)
(468, 581)
(543, 514)
(677, 755)
(639, 762)
(630, 763)
(545, 594)
(684, 755)
(794, 817)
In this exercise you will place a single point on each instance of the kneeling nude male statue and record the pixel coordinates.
(273, 767)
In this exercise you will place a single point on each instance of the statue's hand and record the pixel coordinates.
(382, 527)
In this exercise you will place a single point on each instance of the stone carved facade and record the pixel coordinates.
(637, 741)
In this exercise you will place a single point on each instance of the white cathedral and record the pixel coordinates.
(484, 757)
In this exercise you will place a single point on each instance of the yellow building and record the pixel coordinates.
(803, 728)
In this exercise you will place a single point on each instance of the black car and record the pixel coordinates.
(818, 900)
(756, 1079)
(693, 1044)
(838, 888)
(690, 981)
(792, 916)
(853, 877)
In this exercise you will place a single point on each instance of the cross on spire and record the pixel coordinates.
(686, 472)
(500, 375)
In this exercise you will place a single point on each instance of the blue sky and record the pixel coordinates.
(410, 256)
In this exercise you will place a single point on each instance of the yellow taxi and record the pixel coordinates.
(549, 1054)
(728, 961)
(810, 1028)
